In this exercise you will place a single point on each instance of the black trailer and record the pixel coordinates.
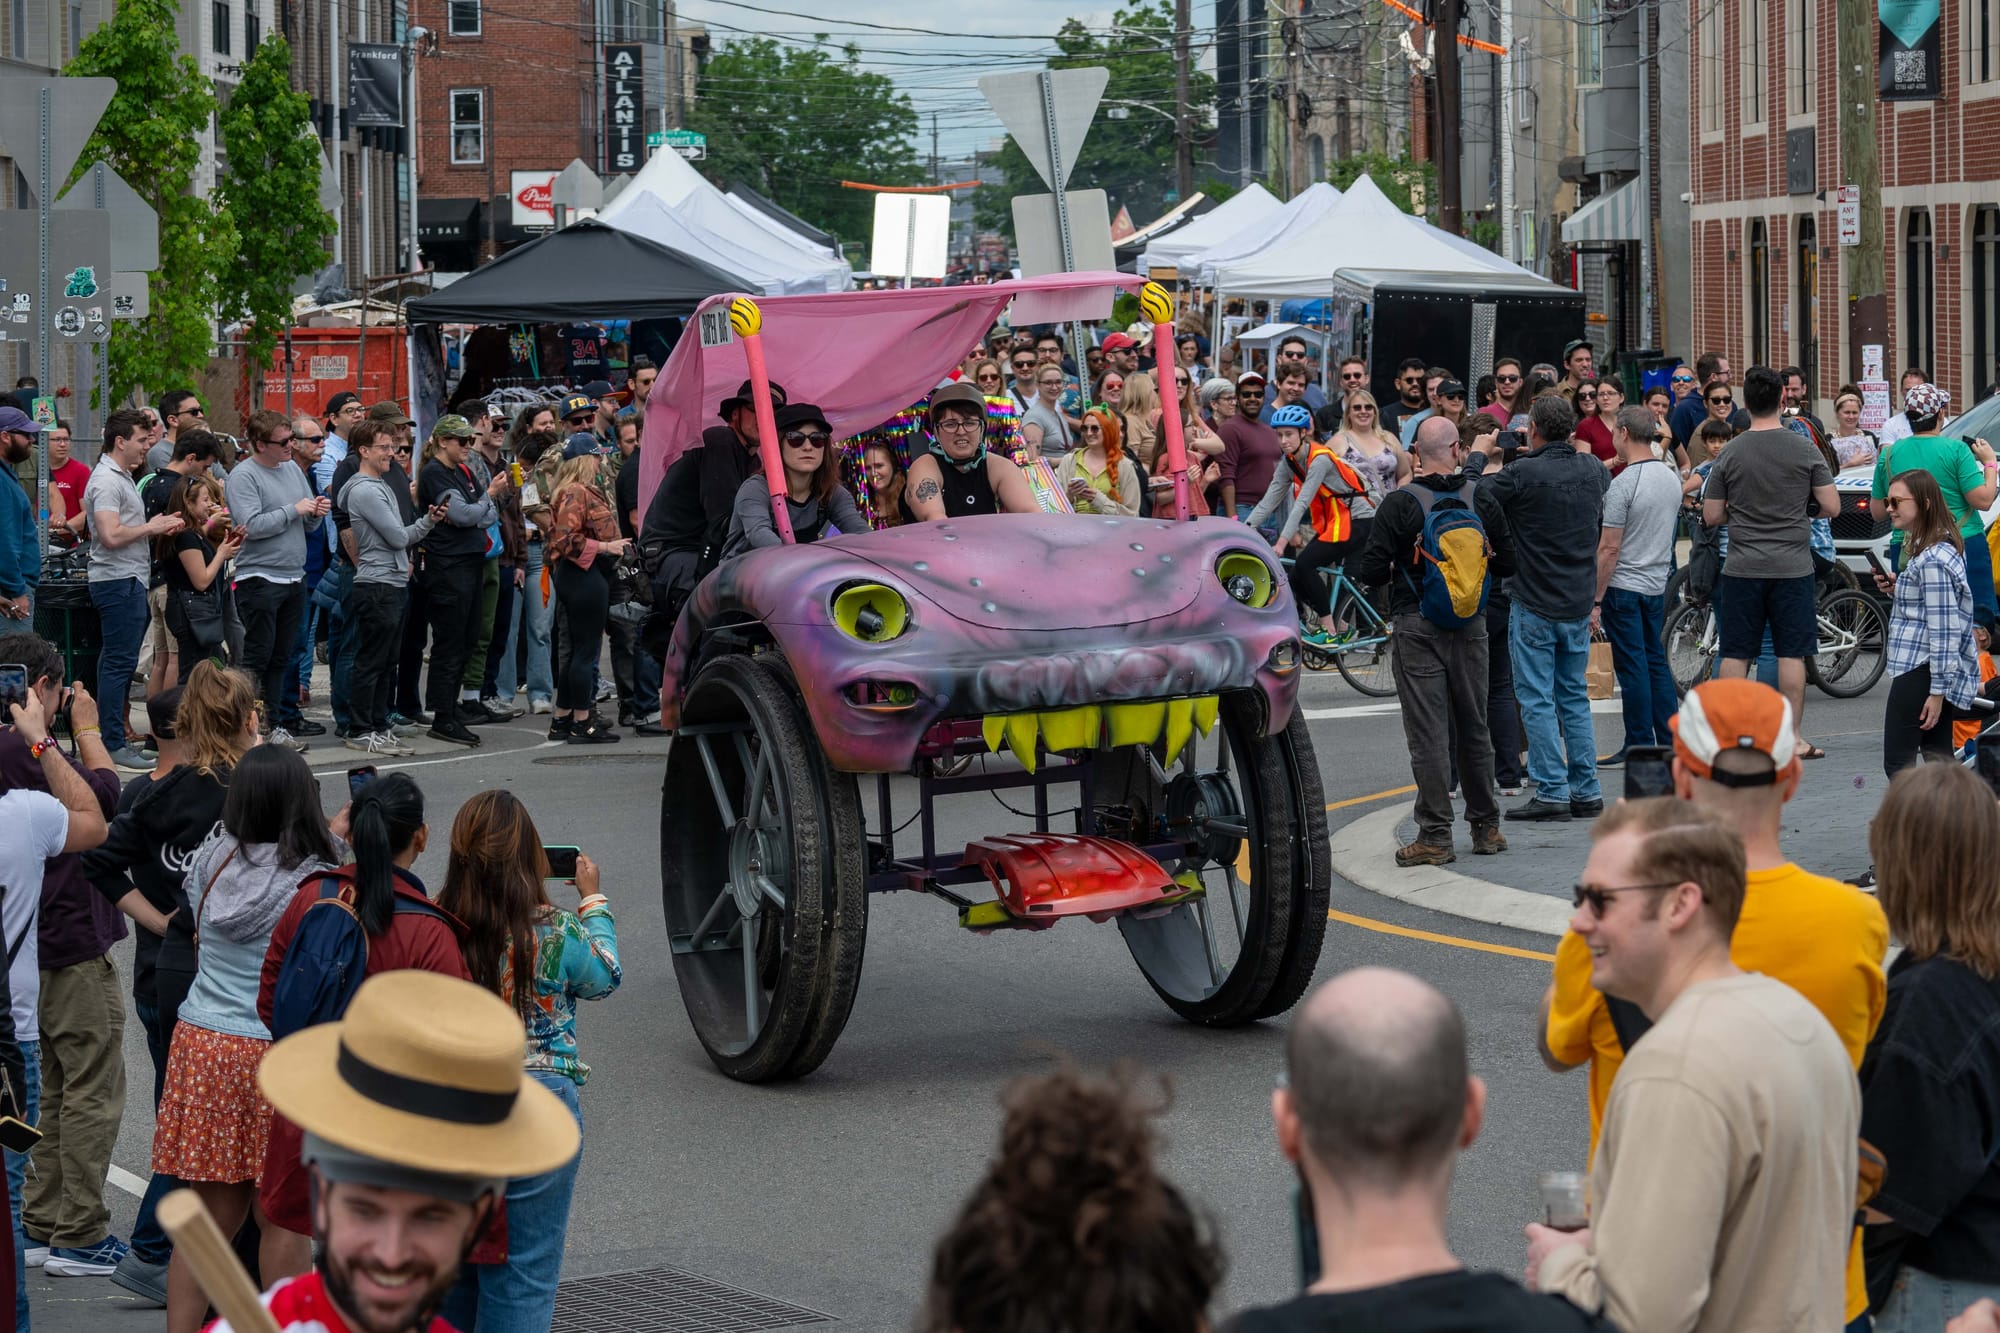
(1461, 321)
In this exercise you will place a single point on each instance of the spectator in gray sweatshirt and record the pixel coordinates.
(271, 501)
(381, 590)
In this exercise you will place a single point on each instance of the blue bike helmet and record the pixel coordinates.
(1295, 415)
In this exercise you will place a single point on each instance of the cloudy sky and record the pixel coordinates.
(938, 64)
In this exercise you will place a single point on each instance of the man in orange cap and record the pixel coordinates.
(1736, 756)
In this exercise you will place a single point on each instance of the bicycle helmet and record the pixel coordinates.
(1294, 415)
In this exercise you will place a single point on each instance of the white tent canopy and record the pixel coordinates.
(778, 229)
(1296, 215)
(669, 202)
(1232, 215)
(1365, 230)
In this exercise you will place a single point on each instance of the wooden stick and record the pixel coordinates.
(199, 1241)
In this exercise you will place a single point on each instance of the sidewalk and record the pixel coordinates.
(1528, 886)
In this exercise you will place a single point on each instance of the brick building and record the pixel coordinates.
(1770, 280)
(509, 96)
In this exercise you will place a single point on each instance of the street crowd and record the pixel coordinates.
(1784, 1134)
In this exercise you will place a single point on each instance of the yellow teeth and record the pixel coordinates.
(1067, 729)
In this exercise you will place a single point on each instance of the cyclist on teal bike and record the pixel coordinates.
(1325, 490)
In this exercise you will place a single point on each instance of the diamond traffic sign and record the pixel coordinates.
(1019, 102)
(135, 227)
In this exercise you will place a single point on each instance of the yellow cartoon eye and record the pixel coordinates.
(745, 317)
(1157, 304)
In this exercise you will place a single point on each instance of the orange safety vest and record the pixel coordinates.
(1330, 519)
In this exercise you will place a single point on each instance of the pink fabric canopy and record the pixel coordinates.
(861, 356)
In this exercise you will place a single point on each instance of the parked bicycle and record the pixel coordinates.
(1853, 637)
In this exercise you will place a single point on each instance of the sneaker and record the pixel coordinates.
(1865, 881)
(131, 760)
(652, 728)
(1421, 853)
(1555, 812)
(99, 1260)
(1590, 809)
(1611, 760)
(591, 731)
(538, 705)
(1488, 840)
(286, 739)
(1510, 791)
(403, 726)
(36, 1255)
(476, 713)
(418, 720)
(605, 689)
(1319, 638)
(559, 728)
(305, 726)
(495, 705)
(454, 731)
(142, 1278)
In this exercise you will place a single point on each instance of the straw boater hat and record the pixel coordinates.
(423, 1074)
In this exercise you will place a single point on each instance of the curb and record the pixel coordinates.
(1364, 853)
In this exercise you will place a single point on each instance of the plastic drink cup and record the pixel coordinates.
(1565, 1200)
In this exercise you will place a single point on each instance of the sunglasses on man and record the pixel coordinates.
(1599, 899)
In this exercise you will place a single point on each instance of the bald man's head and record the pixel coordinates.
(1379, 1078)
(1436, 438)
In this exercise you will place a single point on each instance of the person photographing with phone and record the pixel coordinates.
(541, 959)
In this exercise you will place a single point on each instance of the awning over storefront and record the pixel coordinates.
(1615, 215)
(448, 221)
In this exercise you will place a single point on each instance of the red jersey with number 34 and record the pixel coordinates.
(301, 1305)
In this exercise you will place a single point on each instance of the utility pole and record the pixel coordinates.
(1867, 297)
(1245, 169)
(935, 178)
(1183, 130)
(1295, 147)
(673, 63)
(1444, 41)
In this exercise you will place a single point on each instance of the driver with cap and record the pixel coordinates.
(960, 475)
(416, 1110)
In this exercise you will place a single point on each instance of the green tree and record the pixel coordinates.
(793, 122)
(1410, 186)
(1130, 158)
(150, 136)
(271, 193)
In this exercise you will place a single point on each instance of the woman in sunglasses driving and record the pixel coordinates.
(815, 500)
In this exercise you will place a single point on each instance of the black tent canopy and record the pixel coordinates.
(585, 271)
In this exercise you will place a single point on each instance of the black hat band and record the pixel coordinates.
(433, 1101)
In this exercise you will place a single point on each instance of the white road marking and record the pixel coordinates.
(125, 1180)
(1385, 707)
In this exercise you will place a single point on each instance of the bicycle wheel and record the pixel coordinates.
(1365, 659)
(1853, 644)
(1690, 642)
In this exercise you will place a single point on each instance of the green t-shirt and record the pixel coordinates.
(1948, 459)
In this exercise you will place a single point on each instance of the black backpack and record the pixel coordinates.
(327, 959)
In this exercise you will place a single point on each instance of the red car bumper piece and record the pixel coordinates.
(1042, 877)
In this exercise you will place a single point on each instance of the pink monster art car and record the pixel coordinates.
(1148, 668)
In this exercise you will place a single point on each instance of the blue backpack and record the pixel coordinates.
(1452, 554)
(327, 959)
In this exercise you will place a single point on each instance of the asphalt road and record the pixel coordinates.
(828, 1193)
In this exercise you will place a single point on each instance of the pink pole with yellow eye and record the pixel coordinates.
(1159, 308)
(748, 322)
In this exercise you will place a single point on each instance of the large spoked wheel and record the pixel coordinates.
(1690, 639)
(1251, 813)
(762, 874)
(1853, 630)
(1365, 659)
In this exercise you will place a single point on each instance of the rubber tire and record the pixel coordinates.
(1375, 686)
(1865, 609)
(1686, 621)
(1287, 821)
(806, 1008)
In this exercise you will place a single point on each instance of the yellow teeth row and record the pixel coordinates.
(1087, 727)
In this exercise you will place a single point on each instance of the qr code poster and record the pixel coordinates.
(1910, 36)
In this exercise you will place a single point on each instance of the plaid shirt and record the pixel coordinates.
(1930, 624)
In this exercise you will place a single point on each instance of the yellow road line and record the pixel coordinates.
(1373, 796)
(1431, 937)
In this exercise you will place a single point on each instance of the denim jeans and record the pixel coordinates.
(1549, 661)
(341, 643)
(1979, 574)
(1920, 1301)
(535, 624)
(519, 1296)
(17, 1168)
(149, 1238)
(123, 619)
(1632, 623)
(505, 612)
